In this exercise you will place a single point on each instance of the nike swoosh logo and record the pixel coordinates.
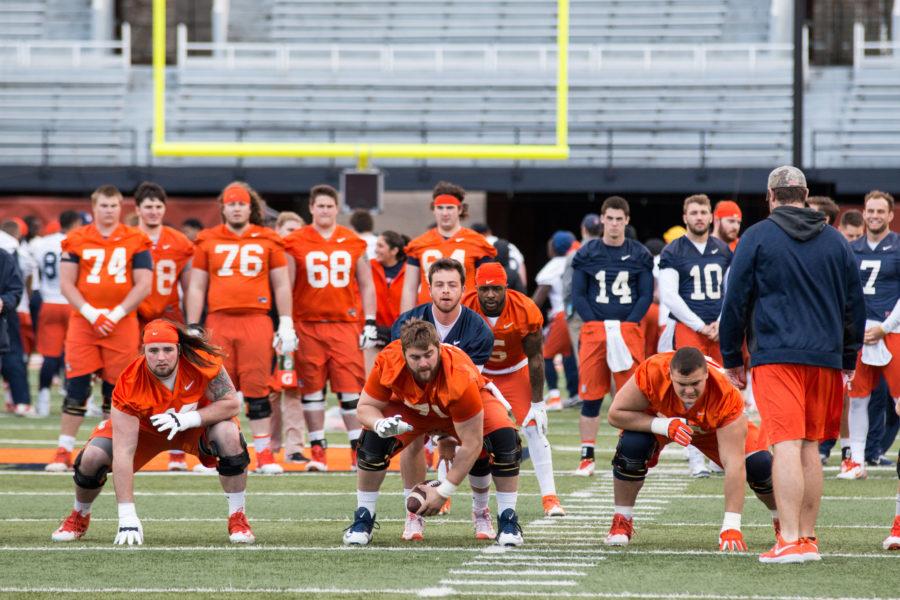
(254, 235)
(166, 246)
(339, 240)
(715, 251)
(507, 326)
(778, 551)
(456, 342)
(887, 247)
(188, 386)
(626, 257)
(459, 240)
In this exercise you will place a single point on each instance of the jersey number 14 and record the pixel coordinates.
(619, 288)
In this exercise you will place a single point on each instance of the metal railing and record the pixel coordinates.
(879, 54)
(67, 53)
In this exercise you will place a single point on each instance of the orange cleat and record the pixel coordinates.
(239, 531)
(552, 506)
(621, 531)
(445, 508)
(319, 461)
(72, 528)
(892, 542)
(62, 462)
(265, 463)
(585, 467)
(810, 546)
(353, 460)
(785, 552)
(852, 470)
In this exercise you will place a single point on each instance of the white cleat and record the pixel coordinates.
(510, 531)
(700, 472)
(484, 527)
(270, 469)
(585, 468)
(414, 528)
(852, 470)
(204, 470)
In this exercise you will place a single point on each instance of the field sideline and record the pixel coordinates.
(298, 520)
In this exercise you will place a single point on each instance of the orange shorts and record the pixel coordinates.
(708, 444)
(87, 352)
(593, 372)
(795, 401)
(151, 443)
(557, 340)
(329, 351)
(53, 320)
(685, 337)
(867, 376)
(26, 332)
(516, 389)
(652, 330)
(246, 339)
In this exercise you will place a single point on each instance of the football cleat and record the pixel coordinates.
(414, 528)
(176, 462)
(553, 400)
(892, 542)
(785, 552)
(810, 547)
(360, 532)
(239, 531)
(203, 469)
(319, 460)
(621, 531)
(265, 463)
(353, 460)
(484, 527)
(700, 471)
(852, 470)
(585, 467)
(296, 458)
(552, 506)
(445, 507)
(572, 402)
(510, 532)
(881, 461)
(25, 410)
(62, 462)
(72, 528)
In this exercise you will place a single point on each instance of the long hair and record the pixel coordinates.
(192, 346)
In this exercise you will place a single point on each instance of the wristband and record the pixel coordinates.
(732, 520)
(116, 314)
(370, 317)
(446, 489)
(89, 312)
(660, 426)
(126, 509)
(285, 321)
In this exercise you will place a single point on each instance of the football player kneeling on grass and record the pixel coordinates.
(419, 387)
(685, 398)
(175, 396)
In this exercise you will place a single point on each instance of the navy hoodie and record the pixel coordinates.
(470, 333)
(794, 292)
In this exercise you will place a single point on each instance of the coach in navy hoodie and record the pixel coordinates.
(794, 294)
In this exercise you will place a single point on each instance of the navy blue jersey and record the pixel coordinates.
(612, 283)
(470, 333)
(701, 277)
(879, 271)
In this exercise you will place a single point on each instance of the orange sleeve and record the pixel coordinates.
(645, 380)
(468, 404)
(534, 318)
(277, 258)
(373, 385)
(731, 404)
(70, 243)
(125, 396)
(200, 261)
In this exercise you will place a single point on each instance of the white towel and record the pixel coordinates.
(877, 354)
(666, 341)
(618, 356)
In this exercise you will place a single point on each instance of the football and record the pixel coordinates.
(416, 497)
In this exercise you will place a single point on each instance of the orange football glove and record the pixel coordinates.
(104, 325)
(679, 432)
(732, 540)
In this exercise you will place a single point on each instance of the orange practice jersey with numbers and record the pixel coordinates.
(171, 254)
(326, 289)
(104, 263)
(465, 246)
(519, 318)
(239, 267)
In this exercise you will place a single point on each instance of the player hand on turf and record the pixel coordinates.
(737, 376)
(131, 531)
(538, 414)
(285, 338)
(175, 422)
(392, 426)
(732, 540)
(369, 336)
(675, 429)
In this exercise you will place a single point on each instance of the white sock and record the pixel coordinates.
(43, 399)
(542, 459)
(367, 500)
(480, 501)
(897, 510)
(774, 513)
(354, 434)
(176, 452)
(858, 420)
(85, 507)
(625, 511)
(442, 469)
(845, 443)
(506, 500)
(696, 458)
(235, 502)
(315, 436)
(261, 442)
(67, 442)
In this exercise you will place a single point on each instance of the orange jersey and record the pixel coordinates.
(171, 253)
(519, 317)
(454, 393)
(326, 287)
(140, 393)
(465, 246)
(387, 294)
(239, 267)
(105, 264)
(720, 404)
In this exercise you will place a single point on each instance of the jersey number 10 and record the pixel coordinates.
(712, 276)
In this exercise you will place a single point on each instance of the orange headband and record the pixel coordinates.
(491, 273)
(160, 332)
(727, 209)
(235, 193)
(447, 199)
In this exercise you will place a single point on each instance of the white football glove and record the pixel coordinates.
(130, 530)
(369, 336)
(175, 422)
(194, 330)
(392, 426)
(538, 414)
(286, 337)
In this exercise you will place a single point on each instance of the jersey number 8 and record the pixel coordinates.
(323, 269)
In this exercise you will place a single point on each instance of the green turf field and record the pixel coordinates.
(298, 520)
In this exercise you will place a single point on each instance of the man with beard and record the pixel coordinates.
(727, 222)
(691, 279)
(455, 325)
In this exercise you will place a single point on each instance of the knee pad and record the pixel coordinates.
(348, 403)
(481, 467)
(505, 450)
(759, 472)
(591, 408)
(77, 391)
(258, 408)
(373, 453)
(89, 482)
(74, 407)
(228, 466)
(633, 452)
(313, 401)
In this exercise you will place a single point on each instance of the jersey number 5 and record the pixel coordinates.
(334, 268)
(118, 260)
(619, 288)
